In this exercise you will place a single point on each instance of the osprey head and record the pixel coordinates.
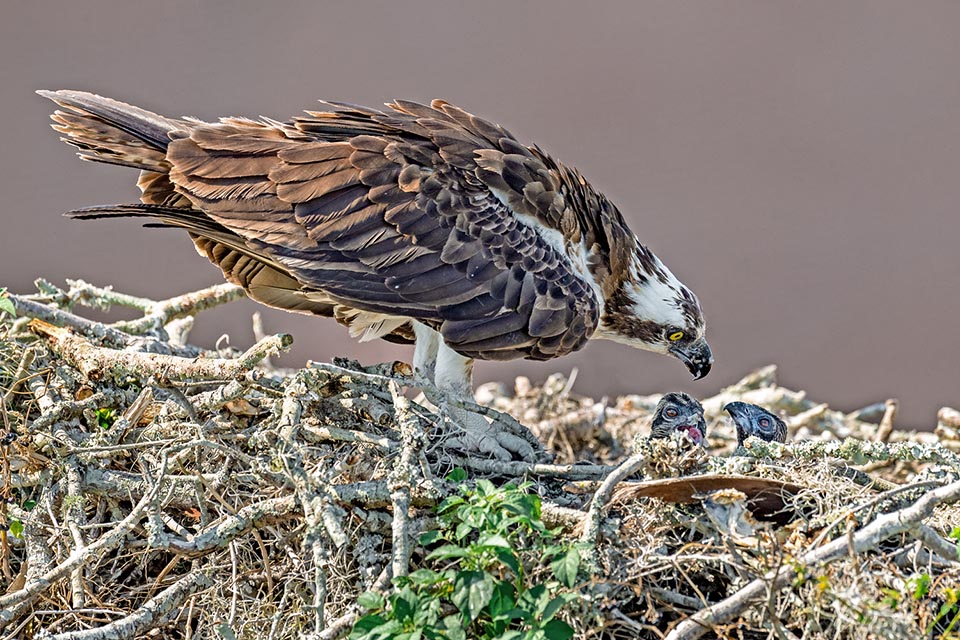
(650, 309)
(752, 420)
(681, 412)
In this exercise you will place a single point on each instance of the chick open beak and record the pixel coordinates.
(692, 432)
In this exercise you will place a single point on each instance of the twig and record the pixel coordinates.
(805, 417)
(886, 422)
(886, 495)
(74, 517)
(594, 517)
(339, 627)
(97, 362)
(18, 377)
(869, 537)
(335, 434)
(948, 425)
(401, 479)
(949, 551)
(152, 614)
(94, 330)
(507, 421)
(222, 533)
(68, 409)
(212, 400)
(678, 599)
(12, 603)
(259, 334)
(188, 304)
(90, 295)
(857, 451)
(517, 468)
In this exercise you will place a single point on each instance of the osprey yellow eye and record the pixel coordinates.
(676, 335)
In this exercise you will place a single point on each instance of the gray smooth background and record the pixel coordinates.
(795, 163)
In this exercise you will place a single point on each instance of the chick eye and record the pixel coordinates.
(676, 335)
(764, 422)
(670, 413)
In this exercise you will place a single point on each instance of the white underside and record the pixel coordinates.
(367, 326)
(434, 361)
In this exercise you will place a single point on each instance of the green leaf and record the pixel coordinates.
(374, 628)
(16, 528)
(430, 537)
(567, 567)
(508, 558)
(534, 599)
(404, 604)
(371, 600)
(28, 505)
(472, 591)
(449, 504)
(454, 628)
(558, 630)
(919, 585)
(457, 476)
(556, 604)
(6, 304)
(362, 627)
(494, 540)
(425, 577)
(463, 530)
(502, 600)
(105, 417)
(224, 631)
(486, 488)
(448, 551)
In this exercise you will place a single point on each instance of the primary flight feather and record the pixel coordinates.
(418, 223)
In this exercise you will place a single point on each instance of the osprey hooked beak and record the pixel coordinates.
(696, 356)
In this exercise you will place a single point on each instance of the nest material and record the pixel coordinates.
(152, 487)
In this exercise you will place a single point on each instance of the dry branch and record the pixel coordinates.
(97, 362)
(299, 490)
(155, 612)
(12, 603)
(867, 538)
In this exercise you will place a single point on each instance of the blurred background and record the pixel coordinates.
(796, 163)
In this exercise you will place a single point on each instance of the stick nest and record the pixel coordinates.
(155, 489)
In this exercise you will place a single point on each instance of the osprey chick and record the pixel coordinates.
(678, 411)
(754, 420)
(419, 223)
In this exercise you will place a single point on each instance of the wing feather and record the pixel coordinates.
(424, 212)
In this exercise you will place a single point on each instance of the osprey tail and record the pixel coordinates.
(110, 131)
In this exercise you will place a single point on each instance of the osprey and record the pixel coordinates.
(420, 224)
(678, 411)
(754, 420)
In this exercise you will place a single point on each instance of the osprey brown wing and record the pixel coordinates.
(427, 212)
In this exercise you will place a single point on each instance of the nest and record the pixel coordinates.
(154, 489)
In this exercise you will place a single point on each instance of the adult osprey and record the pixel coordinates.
(420, 223)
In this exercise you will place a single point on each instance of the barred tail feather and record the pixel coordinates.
(110, 131)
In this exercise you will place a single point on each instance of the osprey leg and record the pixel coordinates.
(425, 352)
(452, 373)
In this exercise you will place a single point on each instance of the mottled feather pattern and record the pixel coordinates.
(424, 212)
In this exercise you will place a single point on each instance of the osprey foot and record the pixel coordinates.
(474, 433)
